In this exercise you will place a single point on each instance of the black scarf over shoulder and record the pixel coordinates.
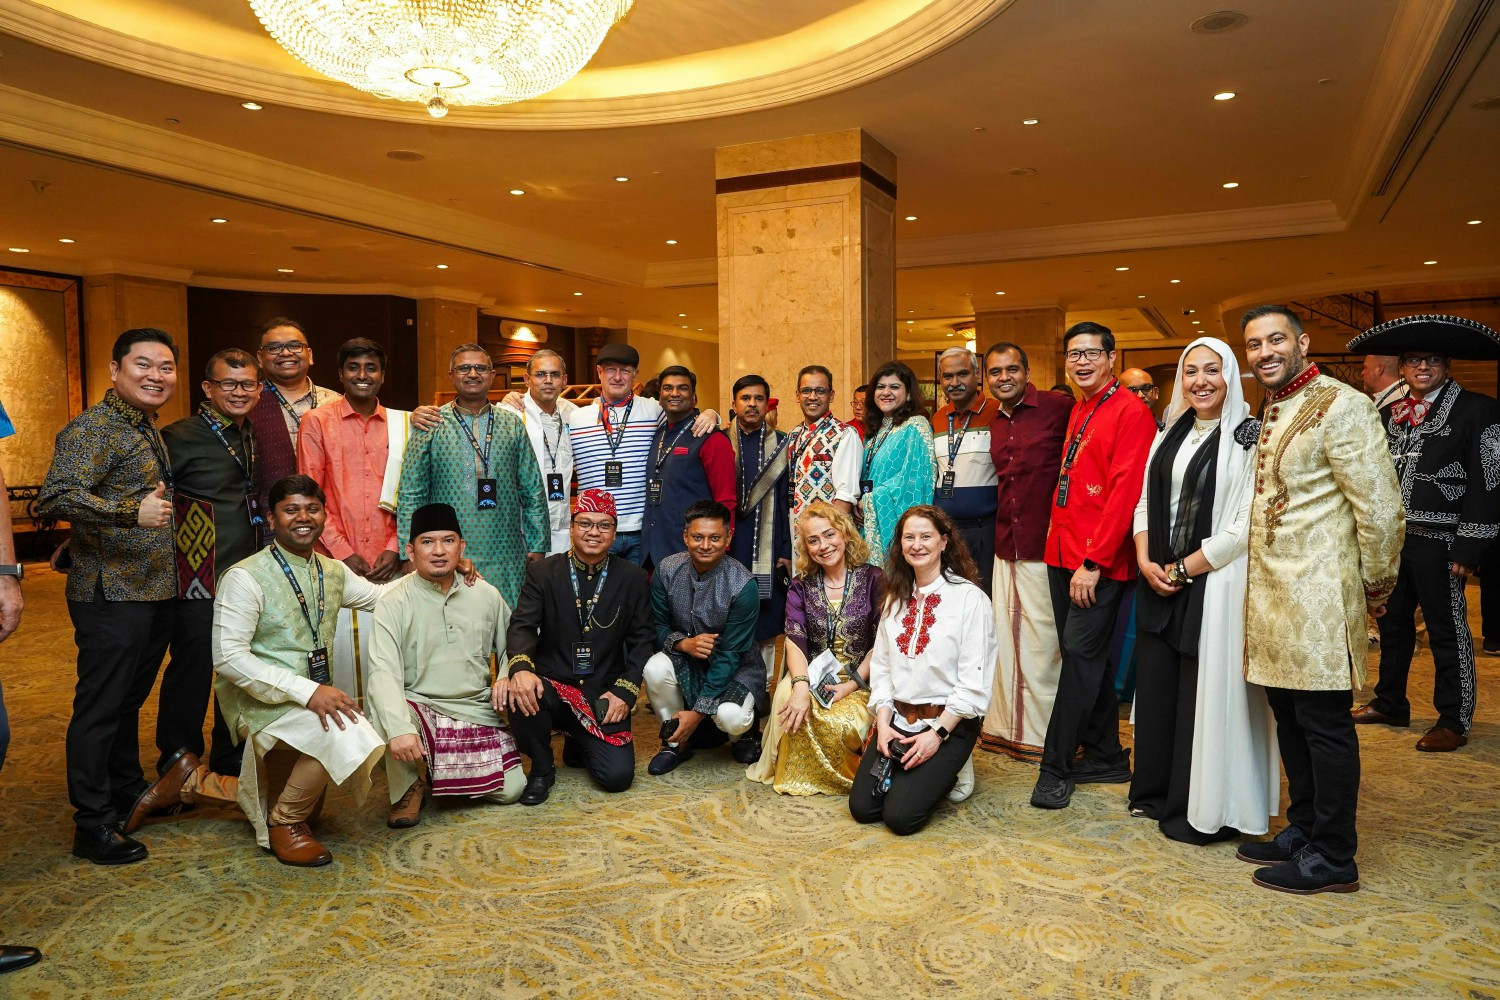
(1177, 618)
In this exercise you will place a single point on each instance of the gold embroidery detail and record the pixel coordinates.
(626, 685)
(1306, 418)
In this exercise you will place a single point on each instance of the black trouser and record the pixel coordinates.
(186, 685)
(1320, 752)
(1424, 581)
(611, 767)
(120, 647)
(1489, 595)
(914, 794)
(978, 534)
(1086, 711)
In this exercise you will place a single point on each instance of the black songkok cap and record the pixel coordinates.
(434, 517)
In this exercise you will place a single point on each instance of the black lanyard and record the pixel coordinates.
(296, 418)
(954, 443)
(246, 464)
(551, 452)
(483, 457)
(739, 471)
(586, 613)
(301, 598)
(874, 449)
(665, 447)
(1078, 438)
(613, 437)
(833, 617)
(158, 450)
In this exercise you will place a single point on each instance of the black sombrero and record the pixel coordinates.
(1453, 336)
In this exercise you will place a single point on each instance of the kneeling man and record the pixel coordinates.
(429, 683)
(577, 645)
(705, 605)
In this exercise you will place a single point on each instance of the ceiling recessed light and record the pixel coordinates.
(1475, 222)
(218, 220)
(1224, 95)
(1196, 322)
(284, 270)
(19, 250)
(977, 128)
(1231, 184)
(66, 240)
(671, 243)
(911, 218)
(541, 310)
(442, 267)
(1175, 281)
(1140, 296)
(684, 326)
(1031, 121)
(999, 293)
(577, 293)
(1122, 269)
(250, 106)
(682, 315)
(1189, 311)
(516, 191)
(622, 180)
(950, 334)
(1429, 262)
(910, 322)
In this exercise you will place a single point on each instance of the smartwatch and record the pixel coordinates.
(12, 569)
(1091, 566)
(942, 732)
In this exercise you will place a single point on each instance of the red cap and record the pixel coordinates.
(596, 502)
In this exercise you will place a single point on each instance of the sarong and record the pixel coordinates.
(464, 758)
(1030, 661)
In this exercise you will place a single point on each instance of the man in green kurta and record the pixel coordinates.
(429, 688)
(479, 461)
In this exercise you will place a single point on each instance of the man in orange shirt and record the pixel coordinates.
(345, 446)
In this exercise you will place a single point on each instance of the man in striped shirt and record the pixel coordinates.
(612, 439)
(966, 481)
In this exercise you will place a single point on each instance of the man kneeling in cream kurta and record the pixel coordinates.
(429, 689)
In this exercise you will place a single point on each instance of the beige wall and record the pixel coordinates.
(114, 303)
(33, 379)
(658, 350)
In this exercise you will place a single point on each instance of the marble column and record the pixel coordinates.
(806, 253)
(442, 324)
(114, 303)
(1038, 332)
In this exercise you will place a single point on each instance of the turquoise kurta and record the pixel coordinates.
(899, 464)
(440, 467)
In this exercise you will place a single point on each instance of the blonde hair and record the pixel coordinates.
(856, 550)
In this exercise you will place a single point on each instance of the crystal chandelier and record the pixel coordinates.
(444, 53)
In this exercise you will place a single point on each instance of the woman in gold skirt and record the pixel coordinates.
(811, 748)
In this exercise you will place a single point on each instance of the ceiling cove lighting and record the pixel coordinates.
(444, 54)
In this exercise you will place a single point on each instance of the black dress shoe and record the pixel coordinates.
(1276, 850)
(668, 759)
(1307, 873)
(16, 956)
(1052, 792)
(1115, 771)
(106, 845)
(538, 787)
(573, 755)
(746, 749)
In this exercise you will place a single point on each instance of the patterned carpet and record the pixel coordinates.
(700, 884)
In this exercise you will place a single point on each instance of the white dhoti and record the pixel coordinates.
(348, 755)
(349, 660)
(1029, 663)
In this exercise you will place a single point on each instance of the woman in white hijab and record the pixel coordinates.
(1205, 747)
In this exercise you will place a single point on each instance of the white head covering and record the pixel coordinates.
(1234, 459)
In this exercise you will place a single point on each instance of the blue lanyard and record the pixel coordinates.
(489, 436)
(955, 442)
(246, 464)
(302, 599)
(296, 418)
(586, 614)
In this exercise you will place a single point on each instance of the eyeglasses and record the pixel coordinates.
(1085, 354)
(588, 527)
(1142, 390)
(1430, 360)
(229, 385)
(545, 376)
(284, 347)
(814, 391)
(473, 369)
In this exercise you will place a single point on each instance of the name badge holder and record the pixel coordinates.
(317, 658)
(485, 494)
(555, 486)
(653, 493)
(614, 474)
(484, 486)
(583, 659)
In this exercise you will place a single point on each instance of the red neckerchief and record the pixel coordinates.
(1410, 412)
(605, 406)
(1303, 377)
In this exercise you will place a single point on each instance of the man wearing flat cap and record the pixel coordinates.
(612, 439)
(429, 684)
(1445, 442)
(577, 646)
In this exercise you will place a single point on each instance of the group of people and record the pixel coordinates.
(339, 574)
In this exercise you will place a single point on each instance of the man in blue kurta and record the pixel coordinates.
(479, 461)
(762, 540)
(682, 469)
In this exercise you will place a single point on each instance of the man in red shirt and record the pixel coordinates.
(1090, 560)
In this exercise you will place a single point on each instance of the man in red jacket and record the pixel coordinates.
(1090, 561)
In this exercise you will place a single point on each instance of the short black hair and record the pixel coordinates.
(1293, 321)
(745, 381)
(234, 358)
(296, 485)
(1005, 345)
(815, 370)
(677, 371)
(360, 347)
(862, 388)
(1065, 389)
(142, 335)
(1104, 333)
(710, 509)
(272, 324)
(468, 349)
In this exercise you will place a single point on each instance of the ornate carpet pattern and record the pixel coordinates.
(702, 885)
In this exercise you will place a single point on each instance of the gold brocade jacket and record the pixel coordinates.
(1326, 528)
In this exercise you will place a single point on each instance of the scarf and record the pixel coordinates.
(757, 496)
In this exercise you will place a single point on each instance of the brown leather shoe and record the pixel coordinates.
(1369, 713)
(294, 844)
(166, 792)
(408, 811)
(1441, 740)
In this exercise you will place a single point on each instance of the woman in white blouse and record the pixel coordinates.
(1205, 751)
(930, 675)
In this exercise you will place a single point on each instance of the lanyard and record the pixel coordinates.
(551, 451)
(614, 437)
(954, 443)
(247, 463)
(585, 614)
(832, 616)
(874, 448)
(296, 417)
(301, 598)
(158, 450)
(664, 448)
(739, 471)
(1078, 438)
(489, 436)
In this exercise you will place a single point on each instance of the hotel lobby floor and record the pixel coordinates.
(700, 884)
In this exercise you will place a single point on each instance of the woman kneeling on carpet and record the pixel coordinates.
(930, 676)
(819, 715)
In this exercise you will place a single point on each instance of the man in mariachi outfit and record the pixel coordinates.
(1445, 441)
(577, 645)
(682, 469)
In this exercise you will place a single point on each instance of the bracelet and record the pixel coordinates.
(802, 678)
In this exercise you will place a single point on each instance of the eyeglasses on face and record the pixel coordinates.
(1418, 360)
(814, 392)
(586, 526)
(229, 385)
(284, 347)
(1142, 390)
(473, 369)
(1085, 354)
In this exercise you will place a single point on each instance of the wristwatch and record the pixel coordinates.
(12, 569)
(1091, 566)
(942, 732)
(1178, 574)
